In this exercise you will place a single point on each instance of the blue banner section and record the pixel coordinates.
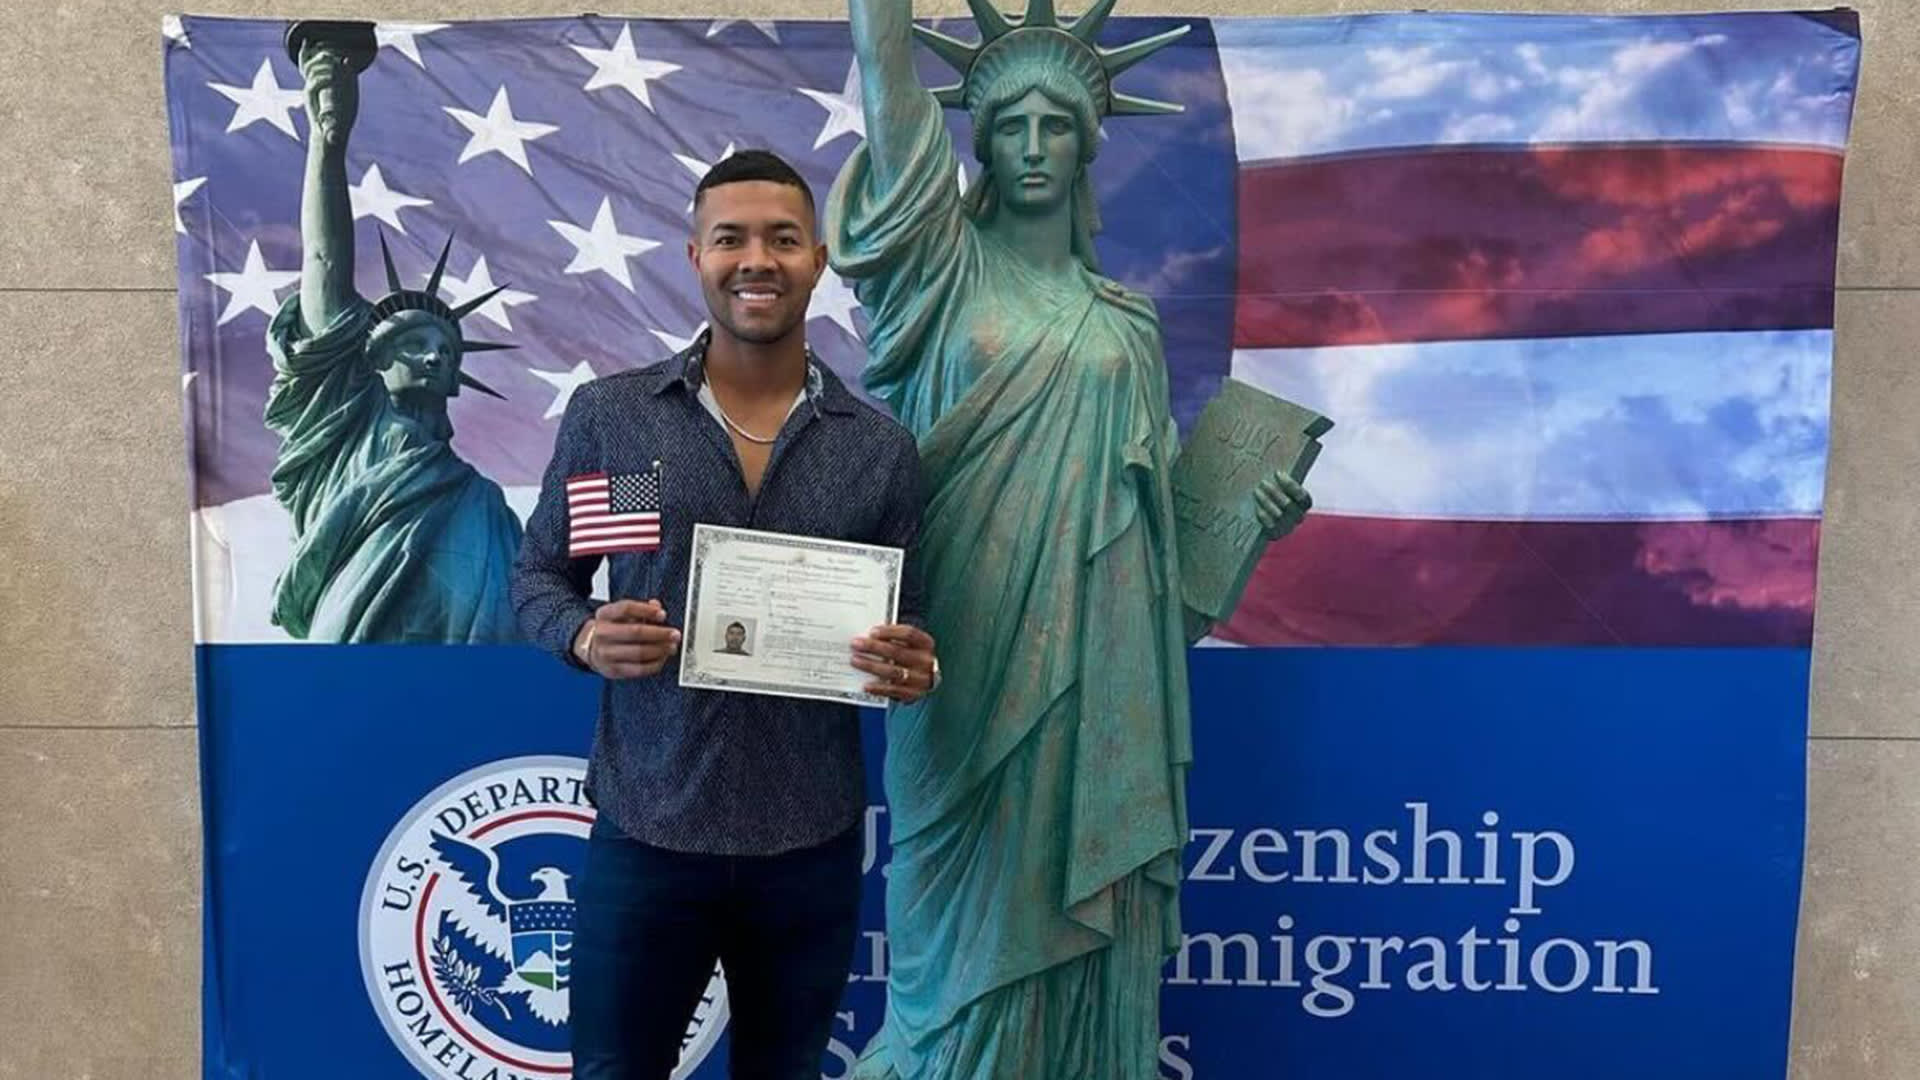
(1494, 864)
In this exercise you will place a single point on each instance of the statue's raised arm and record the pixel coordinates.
(331, 57)
(895, 104)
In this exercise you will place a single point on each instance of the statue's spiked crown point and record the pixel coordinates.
(1040, 30)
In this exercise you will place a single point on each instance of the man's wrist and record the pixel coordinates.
(580, 649)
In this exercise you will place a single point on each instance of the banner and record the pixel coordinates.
(1501, 759)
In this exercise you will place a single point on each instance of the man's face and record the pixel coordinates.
(758, 259)
(421, 359)
(736, 636)
(1035, 146)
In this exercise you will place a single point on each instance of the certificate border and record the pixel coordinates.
(704, 537)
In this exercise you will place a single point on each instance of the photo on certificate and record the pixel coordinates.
(733, 636)
(772, 613)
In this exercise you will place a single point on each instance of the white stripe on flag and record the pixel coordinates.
(1655, 426)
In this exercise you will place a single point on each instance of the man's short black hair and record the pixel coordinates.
(742, 627)
(752, 165)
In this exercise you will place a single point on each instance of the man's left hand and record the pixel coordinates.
(900, 657)
(1280, 503)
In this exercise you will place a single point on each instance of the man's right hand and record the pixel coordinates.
(627, 639)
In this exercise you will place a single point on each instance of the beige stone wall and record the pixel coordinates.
(99, 815)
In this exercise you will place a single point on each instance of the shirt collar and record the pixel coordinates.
(686, 370)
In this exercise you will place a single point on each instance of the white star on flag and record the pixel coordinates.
(253, 286)
(565, 382)
(371, 197)
(699, 168)
(480, 281)
(679, 344)
(180, 192)
(620, 66)
(174, 30)
(765, 26)
(499, 132)
(603, 246)
(844, 113)
(400, 37)
(265, 100)
(832, 299)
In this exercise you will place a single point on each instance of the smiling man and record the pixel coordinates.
(729, 824)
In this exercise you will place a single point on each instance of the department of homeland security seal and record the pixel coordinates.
(466, 926)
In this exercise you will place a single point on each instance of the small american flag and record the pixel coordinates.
(611, 513)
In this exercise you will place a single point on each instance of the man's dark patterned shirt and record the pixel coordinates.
(699, 770)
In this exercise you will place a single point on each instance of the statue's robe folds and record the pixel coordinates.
(1038, 798)
(396, 539)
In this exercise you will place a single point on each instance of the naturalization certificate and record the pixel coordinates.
(769, 613)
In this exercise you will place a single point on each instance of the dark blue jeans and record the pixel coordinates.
(649, 924)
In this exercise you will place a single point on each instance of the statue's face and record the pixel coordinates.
(1035, 147)
(758, 258)
(421, 359)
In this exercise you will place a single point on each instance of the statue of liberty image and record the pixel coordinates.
(1039, 796)
(396, 538)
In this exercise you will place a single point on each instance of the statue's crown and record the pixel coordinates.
(399, 300)
(1040, 37)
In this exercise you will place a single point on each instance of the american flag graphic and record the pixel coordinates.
(1564, 283)
(613, 513)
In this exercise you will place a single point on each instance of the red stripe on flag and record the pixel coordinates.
(1383, 581)
(1448, 244)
